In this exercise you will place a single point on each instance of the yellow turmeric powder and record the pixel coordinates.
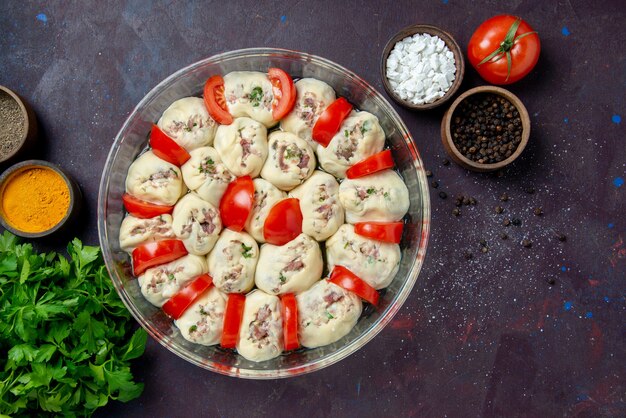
(35, 199)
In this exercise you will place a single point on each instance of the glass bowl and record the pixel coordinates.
(189, 81)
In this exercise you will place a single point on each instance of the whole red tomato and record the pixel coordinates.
(504, 49)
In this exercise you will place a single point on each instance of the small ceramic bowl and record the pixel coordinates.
(457, 156)
(29, 135)
(459, 62)
(74, 204)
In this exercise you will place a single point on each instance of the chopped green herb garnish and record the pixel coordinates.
(208, 167)
(365, 127)
(174, 171)
(256, 96)
(170, 276)
(386, 195)
(282, 278)
(291, 153)
(371, 190)
(346, 133)
(193, 328)
(246, 251)
(329, 315)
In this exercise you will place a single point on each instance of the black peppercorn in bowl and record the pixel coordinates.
(485, 129)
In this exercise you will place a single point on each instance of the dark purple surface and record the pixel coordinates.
(485, 337)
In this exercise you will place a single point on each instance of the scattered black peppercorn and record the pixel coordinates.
(506, 222)
(466, 201)
(538, 211)
(516, 221)
(472, 201)
(468, 255)
(483, 242)
(482, 131)
(530, 190)
(560, 237)
(445, 161)
(504, 236)
(458, 201)
(434, 184)
(527, 243)
(443, 195)
(551, 281)
(499, 209)
(504, 197)
(456, 212)
(429, 173)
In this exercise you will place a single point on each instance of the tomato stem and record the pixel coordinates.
(506, 45)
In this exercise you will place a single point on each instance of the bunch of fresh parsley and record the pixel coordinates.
(65, 336)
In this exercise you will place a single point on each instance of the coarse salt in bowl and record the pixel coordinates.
(422, 67)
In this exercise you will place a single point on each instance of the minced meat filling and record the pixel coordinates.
(260, 327)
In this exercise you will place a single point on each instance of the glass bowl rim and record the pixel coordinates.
(328, 359)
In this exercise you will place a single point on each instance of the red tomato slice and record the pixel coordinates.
(215, 102)
(236, 203)
(142, 209)
(377, 162)
(181, 301)
(284, 93)
(290, 321)
(343, 277)
(284, 222)
(380, 231)
(329, 122)
(166, 148)
(232, 319)
(155, 253)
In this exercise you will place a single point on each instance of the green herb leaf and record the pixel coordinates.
(256, 96)
(366, 127)
(67, 334)
(207, 167)
(136, 345)
(246, 251)
(292, 152)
